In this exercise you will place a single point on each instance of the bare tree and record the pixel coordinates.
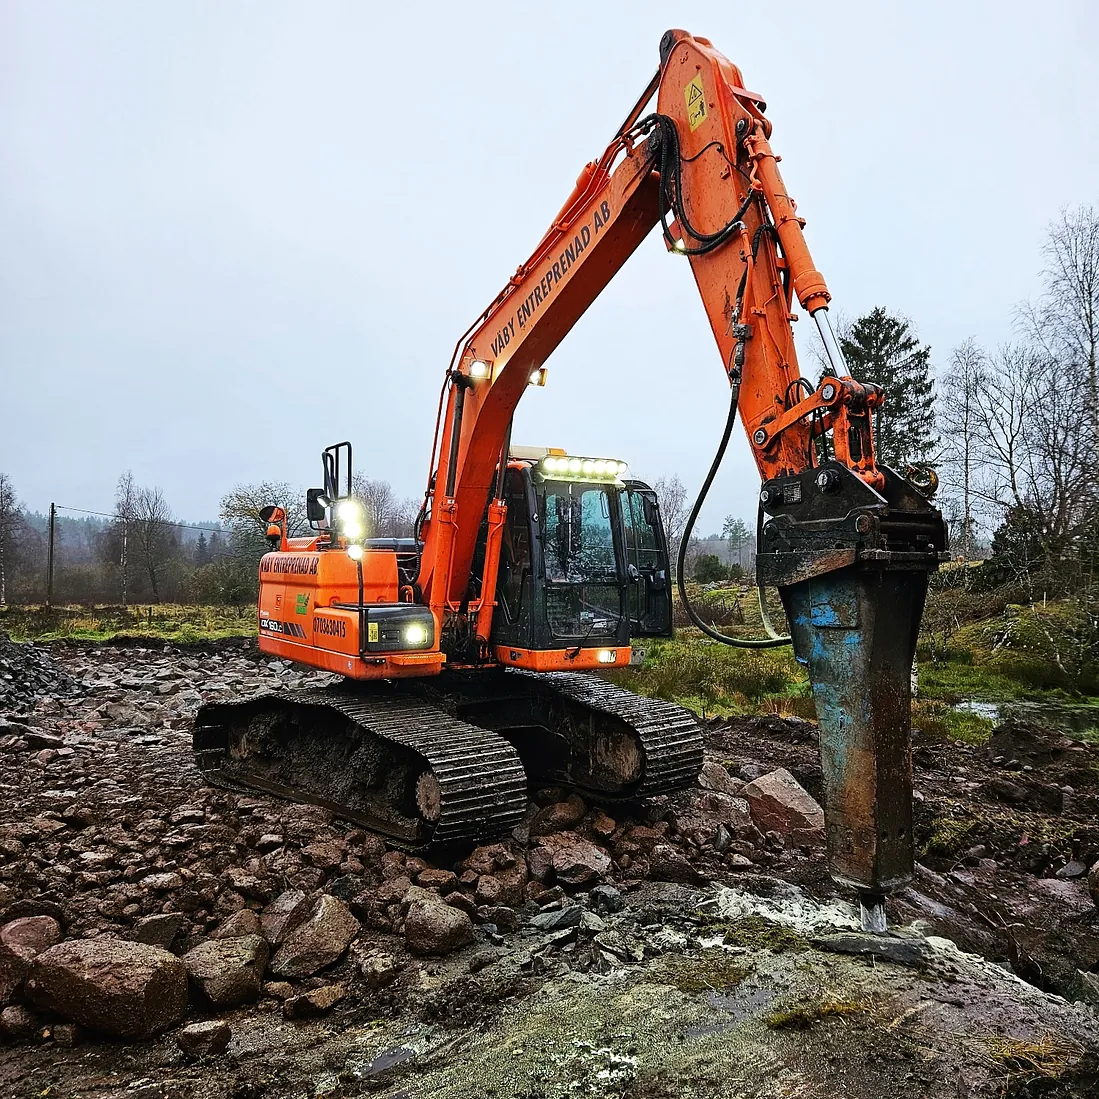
(10, 520)
(125, 507)
(387, 516)
(959, 415)
(152, 535)
(673, 510)
(1065, 320)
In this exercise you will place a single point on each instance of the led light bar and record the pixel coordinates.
(575, 468)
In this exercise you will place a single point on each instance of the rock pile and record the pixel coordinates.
(26, 672)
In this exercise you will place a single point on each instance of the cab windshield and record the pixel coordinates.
(583, 594)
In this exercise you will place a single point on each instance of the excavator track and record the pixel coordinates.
(388, 761)
(577, 729)
(447, 760)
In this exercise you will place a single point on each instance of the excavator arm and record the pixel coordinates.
(848, 543)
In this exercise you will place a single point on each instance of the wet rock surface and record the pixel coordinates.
(626, 951)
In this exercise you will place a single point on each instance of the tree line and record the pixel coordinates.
(142, 553)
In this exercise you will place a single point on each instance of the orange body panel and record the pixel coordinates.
(561, 660)
(381, 666)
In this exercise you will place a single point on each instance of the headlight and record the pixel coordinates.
(606, 656)
(355, 552)
(348, 510)
(353, 529)
(415, 634)
(478, 369)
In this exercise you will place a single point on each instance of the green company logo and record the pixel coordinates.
(302, 603)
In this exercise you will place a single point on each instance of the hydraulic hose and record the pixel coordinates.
(680, 569)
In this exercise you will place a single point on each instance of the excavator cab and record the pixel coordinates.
(584, 558)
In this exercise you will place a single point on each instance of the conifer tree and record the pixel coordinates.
(884, 349)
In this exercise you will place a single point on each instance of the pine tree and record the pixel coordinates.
(883, 349)
(202, 551)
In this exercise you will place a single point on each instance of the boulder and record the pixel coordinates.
(283, 914)
(243, 922)
(18, 1024)
(160, 930)
(314, 1002)
(558, 817)
(489, 859)
(434, 927)
(21, 941)
(714, 776)
(29, 936)
(605, 898)
(124, 989)
(318, 941)
(668, 864)
(204, 1039)
(557, 919)
(1093, 883)
(446, 881)
(377, 967)
(576, 862)
(228, 972)
(778, 803)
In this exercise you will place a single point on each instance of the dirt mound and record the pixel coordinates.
(27, 671)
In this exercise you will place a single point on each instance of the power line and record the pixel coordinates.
(167, 523)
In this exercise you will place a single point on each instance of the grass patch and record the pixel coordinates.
(711, 971)
(940, 722)
(802, 1014)
(756, 933)
(949, 837)
(1047, 1058)
(715, 680)
(157, 622)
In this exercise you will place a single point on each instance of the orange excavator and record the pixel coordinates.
(468, 649)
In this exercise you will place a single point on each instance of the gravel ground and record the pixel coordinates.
(582, 955)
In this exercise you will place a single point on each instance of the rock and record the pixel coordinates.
(160, 930)
(283, 914)
(246, 884)
(1084, 989)
(228, 972)
(446, 881)
(347, 887)
(488, 891)
(315, 1002)
(558, 817)
(667, 864)
(779, 803)
(378, 968)
(489, 859)
(1093, 883)
(540, 863)
(280, 990)
(557, 919)
(162, 883)
(711, 815)
(602, 825)
(124, 989)
(204, 1039)
(19, 1024)
(29, 936)
(577, 862)
(435, 927)
(239, 924)
(714, 776)
(893, 948)
(65, 1034)
(605, 898)
(318, 941)
(1073, 869)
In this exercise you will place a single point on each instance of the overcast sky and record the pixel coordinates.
(232, 233)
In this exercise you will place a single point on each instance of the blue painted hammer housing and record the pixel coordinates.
(852, 565)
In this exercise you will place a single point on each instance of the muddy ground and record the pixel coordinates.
(689, 955)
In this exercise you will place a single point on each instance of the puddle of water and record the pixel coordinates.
(386, 1059)
(1068, 719)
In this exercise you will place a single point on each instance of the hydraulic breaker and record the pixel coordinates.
(851, 565)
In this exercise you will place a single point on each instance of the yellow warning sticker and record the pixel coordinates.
(372, 632)
(696, 103)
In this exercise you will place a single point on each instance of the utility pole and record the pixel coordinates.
(49, 557)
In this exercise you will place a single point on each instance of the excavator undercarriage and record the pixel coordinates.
(448, 760)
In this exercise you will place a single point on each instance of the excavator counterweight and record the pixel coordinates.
(468, 649)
